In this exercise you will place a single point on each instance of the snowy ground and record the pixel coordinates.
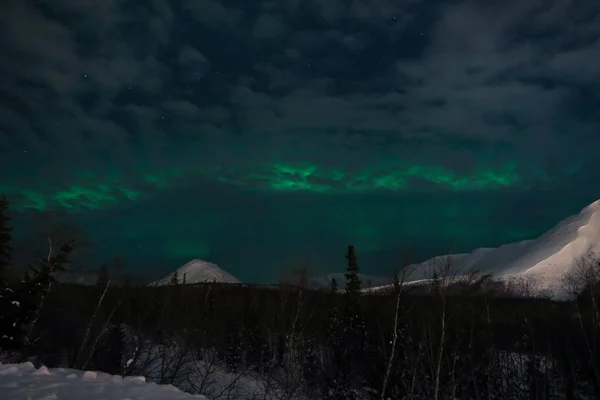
(24, 381)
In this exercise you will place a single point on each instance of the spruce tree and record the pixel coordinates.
(352, 280)
(335, 371)
(111, 352)
(9, 306)
(174, 279)
(34, 289)
(5, 238)
(352, 334)
(334, 285)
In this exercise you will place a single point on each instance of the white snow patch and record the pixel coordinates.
(23, 381)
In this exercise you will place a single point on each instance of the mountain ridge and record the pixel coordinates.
(547, 261)
(198, 271)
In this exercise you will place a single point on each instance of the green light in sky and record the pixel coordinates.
(93, 191)
(310, 177)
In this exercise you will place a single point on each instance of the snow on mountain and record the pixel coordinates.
(197, 271)
(545, 261)
(24, 381)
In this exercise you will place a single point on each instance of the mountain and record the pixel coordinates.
(544, 262)
(197, 271)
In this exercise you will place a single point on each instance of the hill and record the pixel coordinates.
(545, 262)
(198, 271)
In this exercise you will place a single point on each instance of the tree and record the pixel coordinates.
(184, 278)
(111, 350)
(334, 285)
(174, 279)
(299, 277)
(5, 238)
(352, 280)
(36, 286)
(9, 306)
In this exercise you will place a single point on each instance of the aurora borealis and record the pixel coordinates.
(261, 135)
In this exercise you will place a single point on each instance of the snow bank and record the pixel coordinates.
(24, 381)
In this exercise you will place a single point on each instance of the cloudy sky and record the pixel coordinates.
(261, 135)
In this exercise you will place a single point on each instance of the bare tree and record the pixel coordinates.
(298, 277)
(583, 282)
(61, 229)
(400, 276)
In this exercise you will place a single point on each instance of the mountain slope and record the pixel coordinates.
(545, 260)
(197, 271)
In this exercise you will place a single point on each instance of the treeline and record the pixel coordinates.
(445, 340)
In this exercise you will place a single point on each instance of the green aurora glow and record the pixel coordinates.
(95, 191)
(385, 129)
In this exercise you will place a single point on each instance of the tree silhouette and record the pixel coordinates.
(352, 280)
(5, 237)
(174, 279)
(9, 307)
(334, 285)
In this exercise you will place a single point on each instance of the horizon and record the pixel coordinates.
(262, 136)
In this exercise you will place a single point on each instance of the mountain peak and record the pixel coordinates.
(197, 271)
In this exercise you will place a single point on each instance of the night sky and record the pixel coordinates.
(261, 135)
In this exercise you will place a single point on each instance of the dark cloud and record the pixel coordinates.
(114, 102)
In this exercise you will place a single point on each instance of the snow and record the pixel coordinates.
(24, 381)
(197, 271)
(546, 261)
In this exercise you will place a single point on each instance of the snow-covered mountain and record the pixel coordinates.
(198, 271)
(545, 262)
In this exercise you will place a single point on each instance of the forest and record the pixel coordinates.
(452, 338)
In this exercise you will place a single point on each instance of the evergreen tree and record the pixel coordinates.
(352, 280)
(335, 381)
(34, 289)
(5, 238)
(334, 285)
(174, 279)
(9, 306)
(184, 279)
(110, 354)
(103, 276)
(352, 333)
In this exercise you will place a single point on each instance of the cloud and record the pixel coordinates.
(402, 95)
(268, 26)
